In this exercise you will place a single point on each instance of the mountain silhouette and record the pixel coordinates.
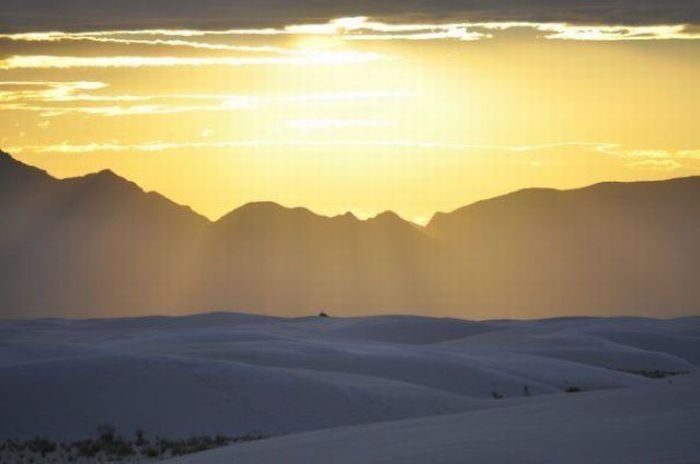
(98, 245)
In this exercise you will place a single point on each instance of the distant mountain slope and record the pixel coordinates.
(99, 245)
(620, 248)
(91, 245)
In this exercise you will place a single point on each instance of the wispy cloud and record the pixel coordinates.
(311, 124)
(617, 33)
(656, 164)
(665, 160)
(352, 29)
(611, 149)
(366, 29)
(52, 98)
(117, 37)
(162, 146)
(654, 160)
(65, 62)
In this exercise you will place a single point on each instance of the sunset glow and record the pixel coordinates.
(355, 113)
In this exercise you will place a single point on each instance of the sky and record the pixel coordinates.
(409, 106)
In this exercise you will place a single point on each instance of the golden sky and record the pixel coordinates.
(360, 114)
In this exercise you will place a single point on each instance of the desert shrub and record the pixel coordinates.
(249, 437)
(86, 448)
(140, 438)
(150, 452)
(654, 373)
(41, 446)
(109, 446)
(119, 447)
(106, 433)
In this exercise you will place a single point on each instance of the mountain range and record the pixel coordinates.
(98, 245)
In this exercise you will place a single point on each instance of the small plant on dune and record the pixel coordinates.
(41, 446)
(150, 452)
(121, 448)
(571, 388)
(140, 438)
(105, 433)
(497, 395)
(654, 373)
(109, 446)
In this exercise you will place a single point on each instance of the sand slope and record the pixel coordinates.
(651, 424)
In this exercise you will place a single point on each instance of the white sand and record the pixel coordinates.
(238, 374)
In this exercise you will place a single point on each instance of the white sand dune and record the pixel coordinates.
(651, 424)
(238, 374)
(178, 397)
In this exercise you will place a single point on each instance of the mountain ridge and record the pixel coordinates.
(350, 214)
(99, 245)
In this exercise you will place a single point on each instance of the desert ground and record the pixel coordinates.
(389, 389)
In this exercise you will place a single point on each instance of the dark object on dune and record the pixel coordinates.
(323, 314)
(654, 373)
(570, 388)
(496, 394)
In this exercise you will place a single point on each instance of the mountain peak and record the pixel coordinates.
(388, 217)
(264, 213)
(347, 216)
(261, 206)
(105, 176)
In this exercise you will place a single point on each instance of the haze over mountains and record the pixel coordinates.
(100, 246)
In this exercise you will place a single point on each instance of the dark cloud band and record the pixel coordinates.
(22, 15)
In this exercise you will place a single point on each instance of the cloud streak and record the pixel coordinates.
(157, 146)
(67, 62)
(366, 29)
(49, 99)
(652, 160)
(610, 149)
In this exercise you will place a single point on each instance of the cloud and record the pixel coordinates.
(654, 160)
(611, 149)
(130, 14)
(52, 98)
(659, 160)
(613, 33)
(334, 123)
(162, 146)
(362, 28)
(689, 154)
(659, 165)
(116, 37)
(65, 62)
